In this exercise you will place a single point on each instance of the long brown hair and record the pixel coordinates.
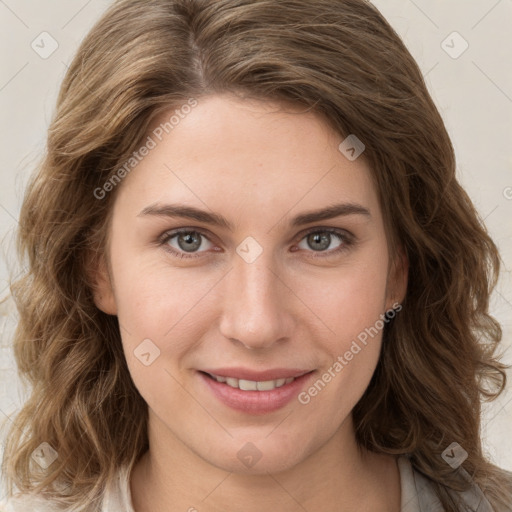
(339, 58)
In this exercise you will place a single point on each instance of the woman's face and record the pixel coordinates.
(260, 281)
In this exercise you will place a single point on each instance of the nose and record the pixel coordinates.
(256, 304)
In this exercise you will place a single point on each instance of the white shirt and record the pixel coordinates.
(417, 495)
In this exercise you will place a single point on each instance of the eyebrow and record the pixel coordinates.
(190, 212)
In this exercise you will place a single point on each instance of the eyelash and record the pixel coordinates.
(346, 239)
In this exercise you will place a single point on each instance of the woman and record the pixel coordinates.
(247, 287)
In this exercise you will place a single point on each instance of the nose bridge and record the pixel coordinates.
(254, 311)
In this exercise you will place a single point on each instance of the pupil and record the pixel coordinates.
(322, 239)
(190, 243)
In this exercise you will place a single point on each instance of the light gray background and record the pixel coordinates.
(472, 91)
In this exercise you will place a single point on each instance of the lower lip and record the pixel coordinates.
(256, 402)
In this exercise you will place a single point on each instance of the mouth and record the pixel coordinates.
(251, 385)
(256, 395)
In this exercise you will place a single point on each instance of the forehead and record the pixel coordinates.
(250, 155)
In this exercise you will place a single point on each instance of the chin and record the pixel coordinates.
(257, 457)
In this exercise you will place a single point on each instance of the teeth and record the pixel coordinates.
(248, 385)
(268, 385)
(230, 381)
(252, 385)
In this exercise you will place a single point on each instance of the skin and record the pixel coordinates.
(259, 165)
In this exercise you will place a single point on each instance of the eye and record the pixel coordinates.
(186, 242)
(321, 239)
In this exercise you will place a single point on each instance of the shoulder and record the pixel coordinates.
(115, 498)
(24, 503)
(418, 492)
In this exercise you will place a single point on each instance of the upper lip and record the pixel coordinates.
(247, 374)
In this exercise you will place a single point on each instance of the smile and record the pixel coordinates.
(255, 396)
(252, 385)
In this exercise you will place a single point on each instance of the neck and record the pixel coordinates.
(338, 475)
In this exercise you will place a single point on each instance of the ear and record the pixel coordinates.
(398, 277)
(103, 291)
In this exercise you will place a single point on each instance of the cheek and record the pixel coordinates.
(159, 302)
(153, 298)
(351, 306)
(162, 313)
(156, 316)
(350, 303)
(347, 300)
